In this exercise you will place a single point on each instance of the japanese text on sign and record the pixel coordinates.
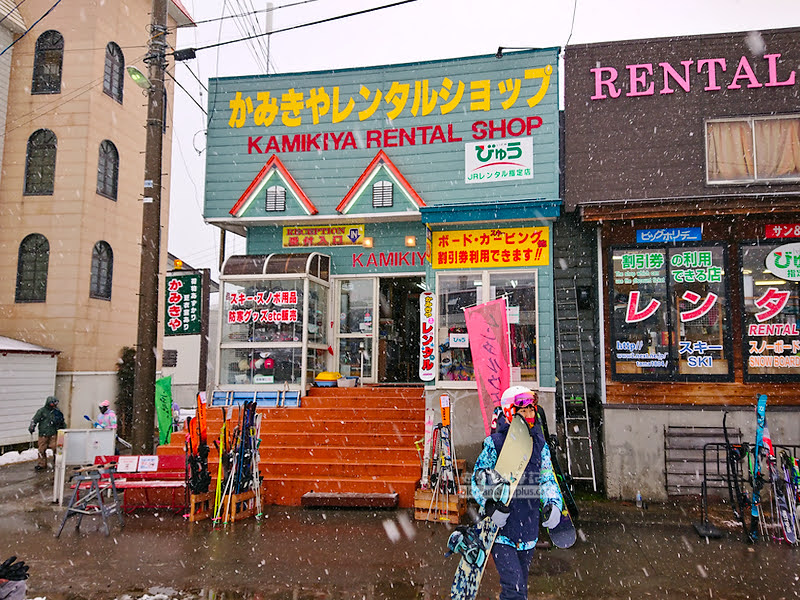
(262, 315)
(333, 235)
(517, 247)
(427, 325)
(183, 305)
(296, 107)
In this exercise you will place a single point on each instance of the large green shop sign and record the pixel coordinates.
(183, 304)
(469, 129)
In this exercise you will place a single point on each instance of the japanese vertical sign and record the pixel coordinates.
(163, 400)
(183, 304)
(771, 284)
(427, 327)
(487, 327)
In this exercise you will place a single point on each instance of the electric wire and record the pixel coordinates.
(266, 10)
(9, 13)
(302, 25)
(24, 33)
(178, 83)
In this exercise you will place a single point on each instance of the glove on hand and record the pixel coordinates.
(498, 512)
(551, 516)
(13, 571)
(31, 427)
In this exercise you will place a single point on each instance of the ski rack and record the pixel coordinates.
(714, 456)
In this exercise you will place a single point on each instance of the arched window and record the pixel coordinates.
(47, 62)
(32, 263)
(382, 194)
(107, 170)
(40, 163)
(102, 271)
(276, 198)
(112, 74)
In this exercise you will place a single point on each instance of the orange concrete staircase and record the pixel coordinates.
(340, 443)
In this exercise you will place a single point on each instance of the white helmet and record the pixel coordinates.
(516, 397)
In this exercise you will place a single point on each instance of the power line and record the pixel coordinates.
(285, 29)
(31, 27)
(178, 83)
(266, 10)
(8, 14)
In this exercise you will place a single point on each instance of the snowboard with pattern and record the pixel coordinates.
(511, 464)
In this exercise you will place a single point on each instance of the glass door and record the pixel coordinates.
(356, 326)
(398, 329)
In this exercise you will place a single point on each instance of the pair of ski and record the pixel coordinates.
(238, 470)
(783, 496)
(511, 464)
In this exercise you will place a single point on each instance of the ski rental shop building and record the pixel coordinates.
(360, 189)
(683, 156)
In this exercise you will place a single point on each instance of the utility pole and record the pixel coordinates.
(144, 386)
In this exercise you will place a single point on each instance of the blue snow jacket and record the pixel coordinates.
(536, 488)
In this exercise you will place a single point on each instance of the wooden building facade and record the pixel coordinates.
(683, 155)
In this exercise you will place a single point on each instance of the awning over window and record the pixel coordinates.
(312, 263)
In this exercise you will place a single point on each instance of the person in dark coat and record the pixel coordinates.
(50, 420)
(537, 497)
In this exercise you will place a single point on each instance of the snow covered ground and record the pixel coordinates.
(18, 457)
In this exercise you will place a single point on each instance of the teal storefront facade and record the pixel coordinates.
(359, 190)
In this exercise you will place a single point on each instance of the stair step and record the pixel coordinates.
(334, 453)
(329, 413)
(350, 426)
(371, 470)
(289, 492)
(350, 500)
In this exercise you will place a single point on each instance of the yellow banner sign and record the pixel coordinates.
(491, 248)
(326, 235)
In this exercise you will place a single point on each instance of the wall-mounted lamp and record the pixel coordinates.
(138, 77)
(411, 241)
(367, 242)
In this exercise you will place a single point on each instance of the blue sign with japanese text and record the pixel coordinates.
(672, 234)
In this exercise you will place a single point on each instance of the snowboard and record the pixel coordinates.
(566, 494)
(562, 535)
(511, 464)
(780, 497)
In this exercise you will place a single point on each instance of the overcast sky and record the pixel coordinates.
(419, 30)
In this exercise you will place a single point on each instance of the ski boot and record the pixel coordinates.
(466, 541)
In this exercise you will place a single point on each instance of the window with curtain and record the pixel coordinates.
(40, 163)
(107, 170)
(102, 271)
(32, 265)
(47, 63)
(753, 150)
(113, 72)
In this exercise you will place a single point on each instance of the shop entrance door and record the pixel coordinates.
(378, 328)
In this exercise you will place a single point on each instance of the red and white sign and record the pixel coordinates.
(427, 330)
(786, 230)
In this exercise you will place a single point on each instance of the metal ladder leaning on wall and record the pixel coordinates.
(574, 403)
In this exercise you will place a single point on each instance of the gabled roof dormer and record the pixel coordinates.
(273, 169)
(380, 167)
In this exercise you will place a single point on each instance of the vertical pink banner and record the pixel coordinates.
(487, 327)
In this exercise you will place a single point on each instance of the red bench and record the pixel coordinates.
(149, 481)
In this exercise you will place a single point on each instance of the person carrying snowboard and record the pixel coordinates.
(536, 499)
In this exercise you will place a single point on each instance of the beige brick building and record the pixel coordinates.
(71, 185)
